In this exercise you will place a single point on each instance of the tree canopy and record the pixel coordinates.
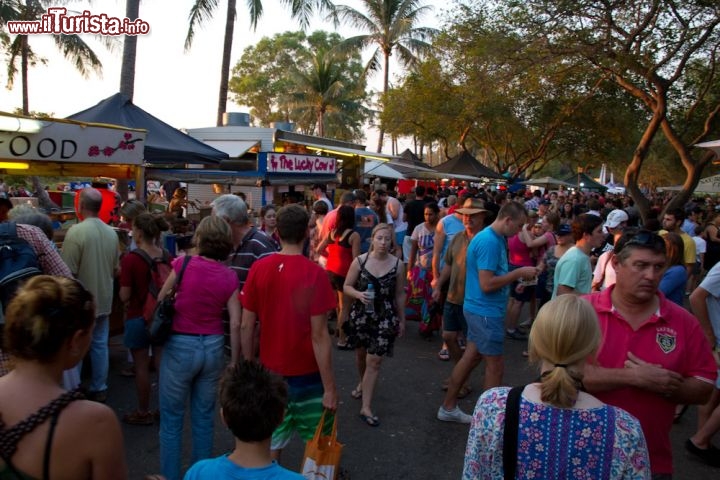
(302, 79)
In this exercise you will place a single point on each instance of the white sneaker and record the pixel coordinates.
(454, 415)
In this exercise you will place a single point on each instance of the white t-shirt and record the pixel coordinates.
(700, 246)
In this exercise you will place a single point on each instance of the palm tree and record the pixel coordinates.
(203, 10)
(328, 93)
(72, 46)
(391, 26)
(127, 70)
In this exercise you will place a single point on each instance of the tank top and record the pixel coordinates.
(339, 253)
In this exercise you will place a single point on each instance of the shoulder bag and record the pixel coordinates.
(160, 325)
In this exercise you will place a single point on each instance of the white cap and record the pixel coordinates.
(615, 218)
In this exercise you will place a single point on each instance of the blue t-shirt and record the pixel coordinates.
(222, 468)
(487, 251)
(365, 221)
(672, 284)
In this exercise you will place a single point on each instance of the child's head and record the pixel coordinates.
(253, 401)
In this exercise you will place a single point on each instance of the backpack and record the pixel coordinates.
(160, 269)
(18, 262)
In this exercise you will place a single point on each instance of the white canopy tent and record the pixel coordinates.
(714, 146)
(706, 185)
(377, 168)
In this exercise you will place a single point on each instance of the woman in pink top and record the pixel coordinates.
(193, 357)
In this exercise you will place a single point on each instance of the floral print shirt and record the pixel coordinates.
(596, 443)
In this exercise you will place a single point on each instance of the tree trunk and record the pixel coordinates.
(127, 75)
(24, 75)
(386, 85)
(632, 174)
(127, 71)
(225, 68)
(44, 201)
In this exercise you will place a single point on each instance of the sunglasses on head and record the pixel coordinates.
(641, 238)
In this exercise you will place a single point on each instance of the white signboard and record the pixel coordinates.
(76, 143)
(297, 163)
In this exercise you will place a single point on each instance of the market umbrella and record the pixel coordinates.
(547, 181)
(714, 146)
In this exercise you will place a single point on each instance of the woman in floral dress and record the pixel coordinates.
(563, 432)
(373, 334)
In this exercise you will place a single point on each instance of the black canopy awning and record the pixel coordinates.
(165, 145)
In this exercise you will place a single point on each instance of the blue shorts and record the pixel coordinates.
(454, 319)
(136, 336)
(487, 333)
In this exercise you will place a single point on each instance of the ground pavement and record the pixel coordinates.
(409, 443)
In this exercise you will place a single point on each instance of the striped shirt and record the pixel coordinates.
(254, 246)
(48, 257)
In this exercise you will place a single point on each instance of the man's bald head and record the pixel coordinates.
(90, 201)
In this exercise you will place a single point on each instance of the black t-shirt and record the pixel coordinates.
(415, 211)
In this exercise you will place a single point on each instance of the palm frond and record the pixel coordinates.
(255, 8)
(200, 12)
(78, 53)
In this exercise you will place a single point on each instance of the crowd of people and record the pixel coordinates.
(623, 319)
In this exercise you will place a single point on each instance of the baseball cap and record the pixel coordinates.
(545, 202)
(471, 207)
(615, 218)
(564, 229)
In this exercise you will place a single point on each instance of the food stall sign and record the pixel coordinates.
(297, 163)
(59, 141)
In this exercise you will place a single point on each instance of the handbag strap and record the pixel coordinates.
(178, 279)
(510, 432)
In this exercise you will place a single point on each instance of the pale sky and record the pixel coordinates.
(179, 88)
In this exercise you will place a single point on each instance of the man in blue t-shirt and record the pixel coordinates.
(365, 220)
(253, 403)
(487, 282)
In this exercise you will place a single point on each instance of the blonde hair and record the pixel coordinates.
(45, 313)
(564, 334)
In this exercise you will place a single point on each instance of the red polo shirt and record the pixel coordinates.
(671, 338)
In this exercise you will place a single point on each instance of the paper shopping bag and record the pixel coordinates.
(322, 453)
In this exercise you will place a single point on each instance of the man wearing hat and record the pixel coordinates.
(472, 216)
(487, 282)
(615, 222)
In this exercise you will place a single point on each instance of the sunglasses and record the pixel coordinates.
(641, 238)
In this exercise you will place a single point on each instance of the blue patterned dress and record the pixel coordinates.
(556, 443)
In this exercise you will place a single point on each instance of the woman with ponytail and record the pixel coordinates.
(45, 430)
(562, 432)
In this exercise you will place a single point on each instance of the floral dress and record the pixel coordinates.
(559, 443)
(376, 331)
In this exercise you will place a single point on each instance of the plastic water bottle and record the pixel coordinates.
(370, 307)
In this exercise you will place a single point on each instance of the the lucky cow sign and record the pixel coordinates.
(297, 163)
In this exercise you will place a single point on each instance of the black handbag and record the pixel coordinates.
(160, 326)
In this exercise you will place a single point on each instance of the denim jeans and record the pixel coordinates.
(190, 367)
(99, 354)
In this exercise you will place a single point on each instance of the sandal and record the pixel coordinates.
(356, 394)
(464, 391)
(444, 355)
(139, 418)
(371, 420)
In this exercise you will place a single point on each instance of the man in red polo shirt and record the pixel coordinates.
(654, 354)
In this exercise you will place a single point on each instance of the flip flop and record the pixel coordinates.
(356, 394)
(372, 421)
(464, 391)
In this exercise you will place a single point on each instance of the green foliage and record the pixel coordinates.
(303, 79)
